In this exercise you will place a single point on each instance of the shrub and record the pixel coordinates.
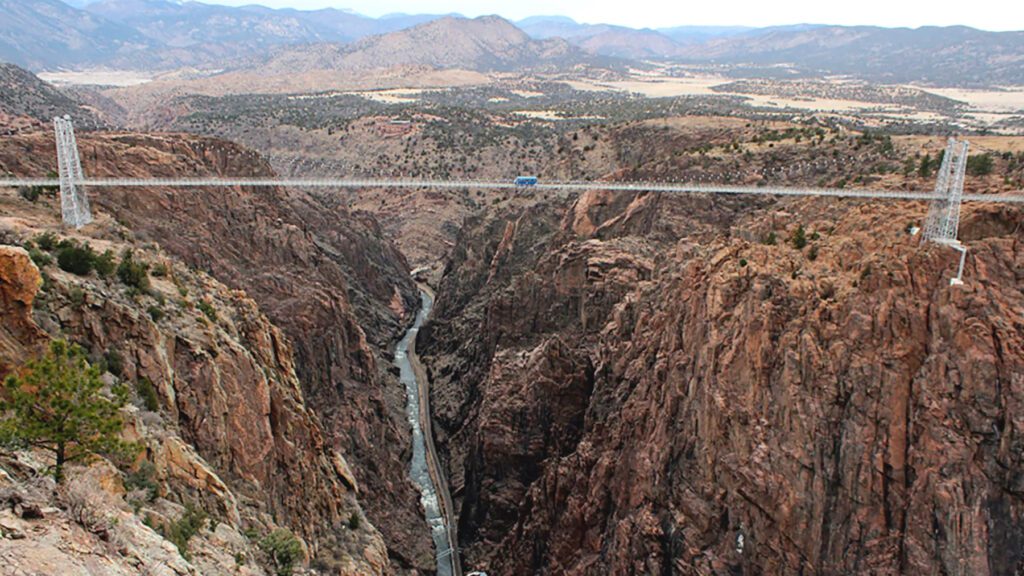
(156, 313)
(113, 361)
(76, 295)
(75, 258)
(133, 273)
(57, 404)
(799, 238)
(104, 264)
(40, 258)
(160, 270)
(46, 241)
(353, 521)
(30, 193)
(812, 254)
(147, 392)
(143, 479)
(284, 549)
(207, 309)
(925, 169)
(180, 531)
(743, 262)
(979, 164)
(769, 239)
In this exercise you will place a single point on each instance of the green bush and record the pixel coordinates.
(75, 258)
(769, 239)
(113, 361)
(143, 478)
(33, 193)
(353, 521)
(147, 392)
(160, 270)
(799, 238)
(284, 549)
(40, 258)
(156, 313)
(180, 531)
(208, 309)
(979, 164)
(30, 193)
(743, 262)
(812, 254)
(925, 169)
(46, 241)
(104, 264)
(77, 296)
(133, 273)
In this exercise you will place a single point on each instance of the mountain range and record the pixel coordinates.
(160, 35)
(487, 43)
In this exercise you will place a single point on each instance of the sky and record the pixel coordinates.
(984, 14)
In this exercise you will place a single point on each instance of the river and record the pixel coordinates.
(420, 469)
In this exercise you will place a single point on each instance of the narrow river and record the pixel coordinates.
(422, 459)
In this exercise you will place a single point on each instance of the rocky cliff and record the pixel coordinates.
(225, 430)
(336, 289)
(643, 384)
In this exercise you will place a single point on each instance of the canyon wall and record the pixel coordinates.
(339, 293)
(642, 384)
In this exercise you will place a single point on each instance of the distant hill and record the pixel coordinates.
(629, 43)
(698, 34)
(192, 23)
(161, 35)
(602, 39)
(955, 55)
(50, 34)
(24, 94)
(487, 43)
(543, 27)
(245, 27)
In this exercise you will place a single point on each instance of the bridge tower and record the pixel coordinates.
(943, 222)
(74, 204)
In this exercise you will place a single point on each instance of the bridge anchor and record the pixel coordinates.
(74, 204)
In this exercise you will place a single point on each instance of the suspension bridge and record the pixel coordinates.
(941, 224)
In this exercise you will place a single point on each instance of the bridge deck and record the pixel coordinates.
(678, 188)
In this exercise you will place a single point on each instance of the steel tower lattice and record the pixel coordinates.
(74, 204)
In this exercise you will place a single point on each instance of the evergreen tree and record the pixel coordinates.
(57, 404)
(925, 170)
(284, 549)
(799, 238)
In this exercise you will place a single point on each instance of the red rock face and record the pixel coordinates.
(614, 400)
(19, 282)
(325, 276)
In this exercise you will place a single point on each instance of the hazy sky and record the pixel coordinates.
(985, 14)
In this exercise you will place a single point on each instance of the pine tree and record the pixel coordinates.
(57, 404)
(925, 169)
(799, 238)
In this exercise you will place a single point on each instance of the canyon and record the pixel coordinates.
(618, 383)
(337, 296)
(640, 385)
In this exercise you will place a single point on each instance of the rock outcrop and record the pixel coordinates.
(230, 431)
(19, 281)
(638, 385)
